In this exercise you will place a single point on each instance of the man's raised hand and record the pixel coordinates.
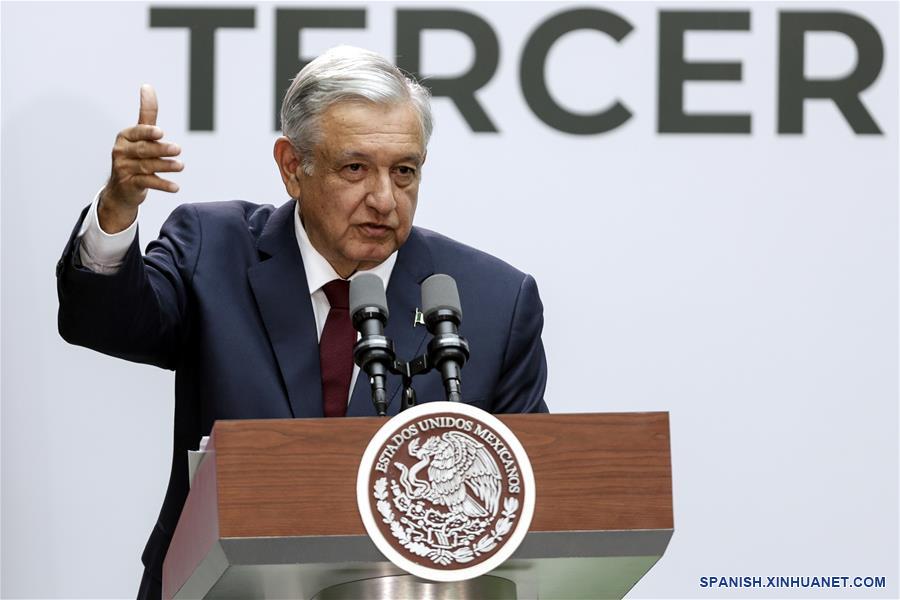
(138, 155)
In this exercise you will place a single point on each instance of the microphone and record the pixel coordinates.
(374, 353)
(447, 350)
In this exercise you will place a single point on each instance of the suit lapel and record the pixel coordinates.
(414, 264)
(282, 295)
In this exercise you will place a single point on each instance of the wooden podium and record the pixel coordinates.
(272, 510)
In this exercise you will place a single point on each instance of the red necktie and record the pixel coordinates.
(336, 349)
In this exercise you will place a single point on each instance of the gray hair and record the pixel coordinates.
(345, 73)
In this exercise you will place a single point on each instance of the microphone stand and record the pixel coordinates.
(408, 370)
(375, 350)
(439, 349)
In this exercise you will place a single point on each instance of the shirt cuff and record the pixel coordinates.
(99, 251)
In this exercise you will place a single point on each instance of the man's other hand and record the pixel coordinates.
(138, 155)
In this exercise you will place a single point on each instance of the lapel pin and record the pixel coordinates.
(419, 318)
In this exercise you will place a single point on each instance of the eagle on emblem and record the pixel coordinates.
(462, 475)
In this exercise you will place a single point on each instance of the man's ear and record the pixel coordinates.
(289, 164)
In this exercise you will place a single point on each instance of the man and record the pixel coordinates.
(247, 303)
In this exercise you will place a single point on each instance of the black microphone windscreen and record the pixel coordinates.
(439, 292)
(367, 290)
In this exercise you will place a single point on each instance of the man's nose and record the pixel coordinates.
(381, 193)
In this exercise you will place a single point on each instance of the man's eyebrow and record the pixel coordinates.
(359, 155)
(413, 158)
(351, 154)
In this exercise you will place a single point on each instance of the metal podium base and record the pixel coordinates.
(487, 587)
(584, 565)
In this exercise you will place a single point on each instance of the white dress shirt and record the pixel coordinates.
(104, 253)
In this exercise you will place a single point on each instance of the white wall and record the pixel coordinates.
(747, 284)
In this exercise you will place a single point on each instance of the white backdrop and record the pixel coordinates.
(747, 284)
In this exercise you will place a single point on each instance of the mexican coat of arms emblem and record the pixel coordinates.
(446, 491)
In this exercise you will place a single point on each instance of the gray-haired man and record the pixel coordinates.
(244, 301)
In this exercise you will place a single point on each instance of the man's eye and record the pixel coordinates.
(406, 171)
(354, 171)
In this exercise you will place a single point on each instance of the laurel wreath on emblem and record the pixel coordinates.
(408, 538)
(463, 478)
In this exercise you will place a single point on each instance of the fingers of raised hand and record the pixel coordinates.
(148, 166)
(144, 149)
(149, 105)
(154, 182)
(135, 165)
(141, 132)
(140, 153)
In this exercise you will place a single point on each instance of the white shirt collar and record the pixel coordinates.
(319, 271)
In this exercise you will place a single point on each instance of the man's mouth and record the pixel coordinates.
(375, 230)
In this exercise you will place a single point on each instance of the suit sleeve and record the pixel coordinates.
(524, 377)
(140, 312)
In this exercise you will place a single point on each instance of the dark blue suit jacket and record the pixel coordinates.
(221, 298)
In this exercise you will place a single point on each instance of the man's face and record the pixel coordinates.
(358, 204)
